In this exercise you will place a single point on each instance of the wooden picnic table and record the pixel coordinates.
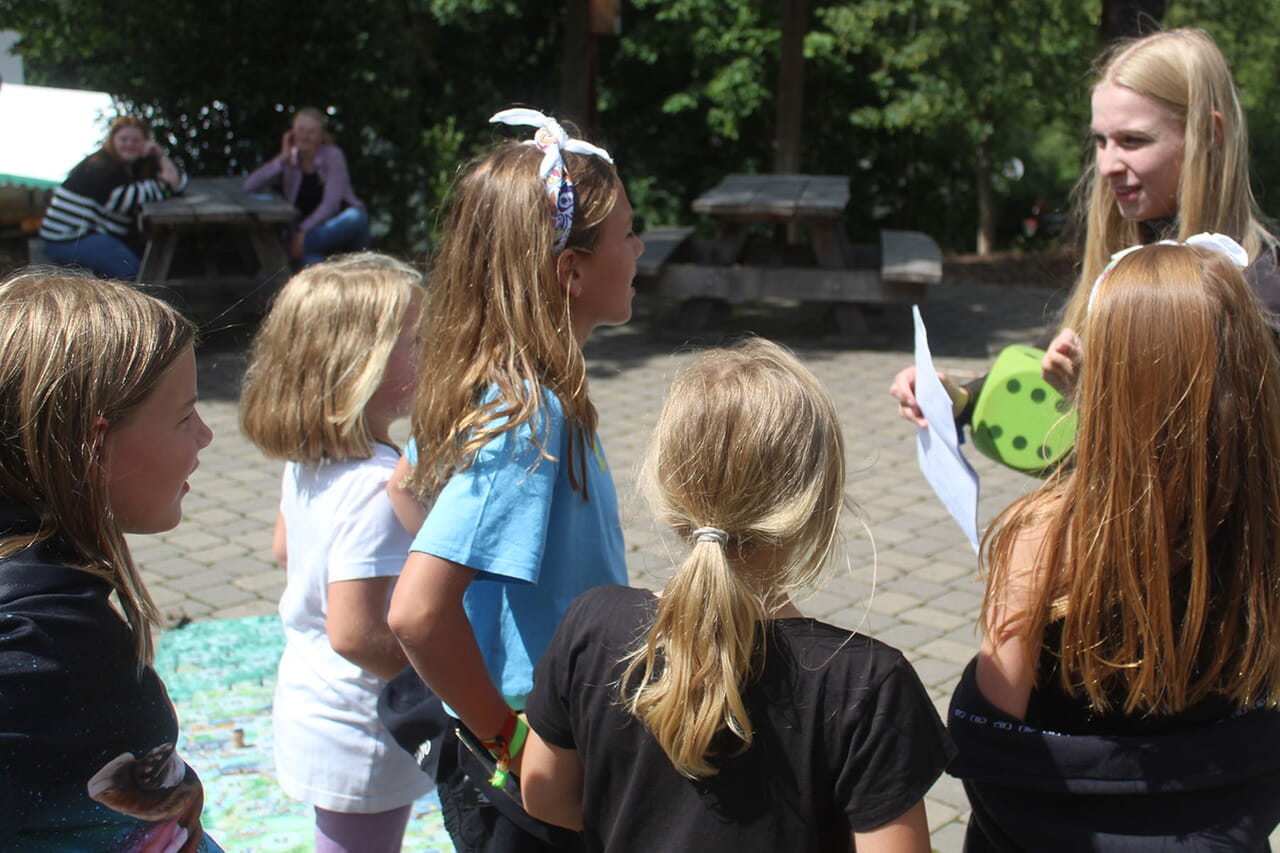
(822, 267)
(216, 246)
(816, 202)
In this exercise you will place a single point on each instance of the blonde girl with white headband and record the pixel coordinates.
(713, 715)
(538, 250)
(1129, 673)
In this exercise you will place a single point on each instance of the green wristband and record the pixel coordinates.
(518, 739)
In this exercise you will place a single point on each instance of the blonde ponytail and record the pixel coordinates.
(747, 441)
(697, 659)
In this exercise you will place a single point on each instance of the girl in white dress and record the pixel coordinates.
(331, 369)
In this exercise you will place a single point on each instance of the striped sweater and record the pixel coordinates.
(100, 194)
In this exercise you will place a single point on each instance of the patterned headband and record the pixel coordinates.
(553, 142)
(1220, 243)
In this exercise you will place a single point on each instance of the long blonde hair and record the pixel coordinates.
(1185, 71)
(320, 355)
(74, 352)
(748, 442)
(1159, 553)
(497, 315)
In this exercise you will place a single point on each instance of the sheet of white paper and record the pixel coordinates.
(938, 447)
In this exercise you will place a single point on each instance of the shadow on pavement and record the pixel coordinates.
(964, 320)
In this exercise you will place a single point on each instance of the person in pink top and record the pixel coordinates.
(312, 173)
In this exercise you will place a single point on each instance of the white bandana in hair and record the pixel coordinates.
(553, 141)
(1219, 243)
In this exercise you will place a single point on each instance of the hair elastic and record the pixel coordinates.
(1220, 243)
(551, 139)
(710, 534)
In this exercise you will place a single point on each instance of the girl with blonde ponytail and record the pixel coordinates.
(714, 715)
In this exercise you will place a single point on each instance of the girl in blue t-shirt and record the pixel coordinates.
(538, 250)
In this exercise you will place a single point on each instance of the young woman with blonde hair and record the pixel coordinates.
(714, 715)
(93, 218)
(1171, 159)
(312, 174)
(538, 249)
(100, 433)
(332, 368)
(1133, 600)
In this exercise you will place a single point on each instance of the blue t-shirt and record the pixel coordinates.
(534, 541)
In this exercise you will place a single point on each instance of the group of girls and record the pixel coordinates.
(460, 557)
(735, 720)
(1127, 628)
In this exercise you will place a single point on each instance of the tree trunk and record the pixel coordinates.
(578, 73)
(1129, 18)
(986, 200)
(790, 114)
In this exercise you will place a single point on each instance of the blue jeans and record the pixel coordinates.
(100, 253)
(346, 232)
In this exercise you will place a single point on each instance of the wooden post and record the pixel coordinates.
(606, 17)
(790, 115)
(578, 71)
(986, 199)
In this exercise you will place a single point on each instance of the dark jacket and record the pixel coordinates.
(1211, 787)
(87, 735)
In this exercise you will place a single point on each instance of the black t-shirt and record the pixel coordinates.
(846, 739)
(310, 193)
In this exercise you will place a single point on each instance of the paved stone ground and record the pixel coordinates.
(912, 581)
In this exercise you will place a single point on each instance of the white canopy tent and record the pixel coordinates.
(44, 132)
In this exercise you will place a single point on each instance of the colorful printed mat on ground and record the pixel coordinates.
(221, 676)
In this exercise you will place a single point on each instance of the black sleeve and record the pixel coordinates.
(1263, 276)
(547, 707)
(974, 387)
(895, 749)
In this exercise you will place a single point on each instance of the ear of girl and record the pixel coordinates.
(598, 281)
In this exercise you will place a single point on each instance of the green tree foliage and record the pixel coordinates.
(961, 89)
(220, 79)
(686, 96)
(1248, 31)
(906, 96)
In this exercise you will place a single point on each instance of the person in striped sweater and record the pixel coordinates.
(92, 221)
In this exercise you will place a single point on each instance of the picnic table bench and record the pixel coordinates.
(216, 246)
(823, 267)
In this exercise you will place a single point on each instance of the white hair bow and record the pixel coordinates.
(553, 141)
(1219, 243)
